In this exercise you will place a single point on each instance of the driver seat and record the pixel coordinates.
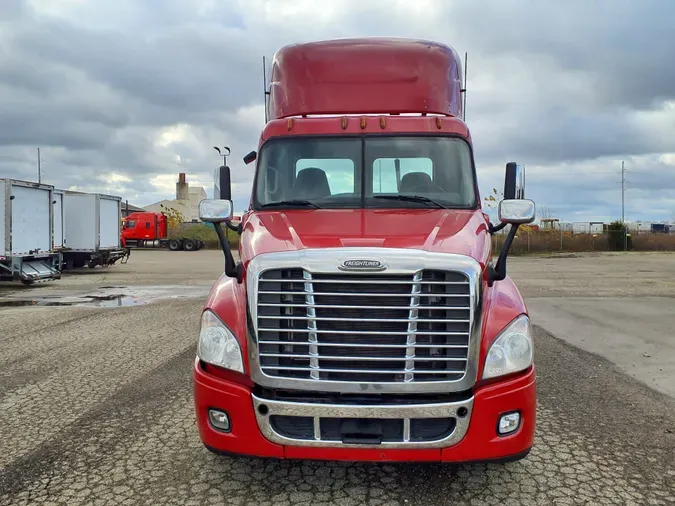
(311, 183)
(413, 180)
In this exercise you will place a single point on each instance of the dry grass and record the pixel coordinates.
(654, 242)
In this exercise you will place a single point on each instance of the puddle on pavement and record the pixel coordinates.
(108, 296)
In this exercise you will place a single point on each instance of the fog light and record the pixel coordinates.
(219, 420)
(508, 423)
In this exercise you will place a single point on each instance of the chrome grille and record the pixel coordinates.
(383, 328)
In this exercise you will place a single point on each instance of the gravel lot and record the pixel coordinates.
(96, 401)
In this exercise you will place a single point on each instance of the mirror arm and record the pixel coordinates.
(232, 270)
(238, 229)
(496, 228)
(498, 271)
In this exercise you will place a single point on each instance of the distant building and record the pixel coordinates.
(186, 201)
(127, 209)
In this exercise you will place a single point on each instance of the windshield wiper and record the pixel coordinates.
(293, 202)
(410, 198)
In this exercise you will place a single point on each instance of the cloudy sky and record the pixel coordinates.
(122, 95)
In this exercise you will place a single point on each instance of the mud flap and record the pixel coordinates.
(35, 271)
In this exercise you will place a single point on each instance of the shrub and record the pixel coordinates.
(617, 233)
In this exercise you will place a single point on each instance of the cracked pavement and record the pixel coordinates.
(96, 408)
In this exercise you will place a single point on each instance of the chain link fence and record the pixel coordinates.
(552, 241)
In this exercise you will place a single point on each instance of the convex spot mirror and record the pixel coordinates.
(516, 211)
(215, 210)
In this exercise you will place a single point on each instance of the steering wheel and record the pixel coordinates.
(427, 188)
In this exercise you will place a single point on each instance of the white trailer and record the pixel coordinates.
(597, 227)
(91, 230)
(26, 239)
(581, 227)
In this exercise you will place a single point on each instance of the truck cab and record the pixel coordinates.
(365, 318)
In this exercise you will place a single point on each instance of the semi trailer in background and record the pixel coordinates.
(26, 241)
(87, 225)
(150, 230)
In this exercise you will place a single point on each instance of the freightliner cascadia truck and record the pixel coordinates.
(365, 317)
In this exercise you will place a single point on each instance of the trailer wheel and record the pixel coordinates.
(174, 245)
(189, 245)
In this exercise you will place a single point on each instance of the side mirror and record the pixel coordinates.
(251, 157)
(222, 188)
(514, 181)
(516, 211)
(215, 210)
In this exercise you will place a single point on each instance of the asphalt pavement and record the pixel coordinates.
(96, 408)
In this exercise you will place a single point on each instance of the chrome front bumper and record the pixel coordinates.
(460, 411)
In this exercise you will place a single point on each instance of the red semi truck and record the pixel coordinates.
(149, 230)
(365, 319)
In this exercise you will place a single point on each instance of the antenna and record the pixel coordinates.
(266, 93)
(466, 66)
(224, 155)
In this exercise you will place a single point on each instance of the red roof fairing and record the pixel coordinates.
(369, 75)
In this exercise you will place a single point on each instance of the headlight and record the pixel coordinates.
(512, 351)
(217, 344)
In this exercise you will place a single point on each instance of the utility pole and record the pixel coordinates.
(39, 167)
(623, 213)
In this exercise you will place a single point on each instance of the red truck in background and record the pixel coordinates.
(365, 319)
(149, 230)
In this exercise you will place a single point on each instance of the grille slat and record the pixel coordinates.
(370, 371)
(365, 294)
(378, 320)
(330, 357)
(403, 328)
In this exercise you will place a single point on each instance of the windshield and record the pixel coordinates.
(374, 172)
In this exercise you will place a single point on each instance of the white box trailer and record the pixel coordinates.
(26, 239)
(91, 230)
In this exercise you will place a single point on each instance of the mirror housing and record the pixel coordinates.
(251, 157)
(222, 187)
(514, 181)
(215, 210)
(517, 211)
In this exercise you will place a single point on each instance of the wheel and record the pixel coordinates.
(189, 245)
(174, 245)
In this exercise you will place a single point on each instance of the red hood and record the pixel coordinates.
(438, 230)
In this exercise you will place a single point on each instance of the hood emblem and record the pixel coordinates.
(362, 265)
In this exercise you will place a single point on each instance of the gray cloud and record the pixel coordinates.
(122, 96)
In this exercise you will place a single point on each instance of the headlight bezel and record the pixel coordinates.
(229, 356)
(517, 332)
